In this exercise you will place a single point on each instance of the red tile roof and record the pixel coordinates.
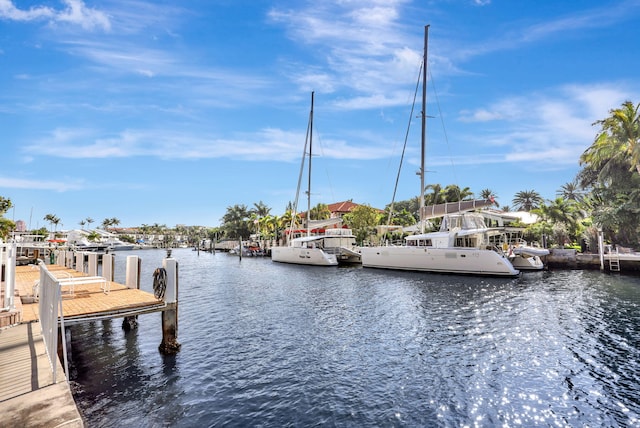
(342, 207)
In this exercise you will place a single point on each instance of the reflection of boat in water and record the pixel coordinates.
(305, 250)
(464, 244)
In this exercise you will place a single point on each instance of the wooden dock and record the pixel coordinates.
(29, 395)
(87, 301)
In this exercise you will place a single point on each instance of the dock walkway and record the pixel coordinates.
(28, 395)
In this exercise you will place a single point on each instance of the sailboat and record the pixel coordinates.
(464, 244)
(309, 249)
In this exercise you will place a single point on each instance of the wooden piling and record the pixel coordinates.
(132, 280)
(170, 343)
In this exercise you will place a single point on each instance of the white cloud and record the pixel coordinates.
(362, 47)
(75, 12)
(57, 186)
(263, 145)
(9, 11)
(553, 127)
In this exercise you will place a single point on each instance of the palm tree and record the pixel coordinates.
(619, 138)
(611, 170)
(559, 211)
(527, 200)
(268, 225)
(261, 209)
(254, 222)
(564, 215)
(435, 197)
(5, 205)
(571, 191)
(488, 194)
(89, 220)
(289, 219)
(6, 225)
(320, 212)
(453, 193)
(52, 219)
(235, 221)
(108, 222)
(412, 206)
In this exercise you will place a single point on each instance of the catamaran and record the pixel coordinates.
(309, 249)
(463, 245)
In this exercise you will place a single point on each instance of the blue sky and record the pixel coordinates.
(170, 112)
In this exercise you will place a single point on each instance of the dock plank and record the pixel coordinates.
(87, 300)
(28, 394)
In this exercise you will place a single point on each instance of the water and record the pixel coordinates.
(268, 344)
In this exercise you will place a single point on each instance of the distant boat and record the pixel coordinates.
(464, 244)
(120, 246)
(250, 249)
(305, 250)
(83, 244)
(336, 240)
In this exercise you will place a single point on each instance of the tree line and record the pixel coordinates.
(604, 196)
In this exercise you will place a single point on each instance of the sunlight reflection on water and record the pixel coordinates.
(271, 344)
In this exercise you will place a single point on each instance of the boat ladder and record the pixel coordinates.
(614, 261)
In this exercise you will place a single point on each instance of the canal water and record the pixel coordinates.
(269, 344)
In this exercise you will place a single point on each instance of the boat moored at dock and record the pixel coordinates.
(309, 249)
(306, 250)
(462, 246)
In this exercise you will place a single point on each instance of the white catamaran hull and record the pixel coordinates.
(468, 261)
(303, 256)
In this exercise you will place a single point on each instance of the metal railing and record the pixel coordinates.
(51, 316)
(8, 269)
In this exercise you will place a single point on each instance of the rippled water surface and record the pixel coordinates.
(269, 344)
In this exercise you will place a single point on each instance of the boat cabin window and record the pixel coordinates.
(420, 243)
(462, 221)
(467, 241)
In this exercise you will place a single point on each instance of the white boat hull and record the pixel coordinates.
(467, 261)
(527, 263)
(303, 256)
(531, 251)
(121, 248)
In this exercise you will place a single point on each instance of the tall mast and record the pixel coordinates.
(424, 126)
(309, 182)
